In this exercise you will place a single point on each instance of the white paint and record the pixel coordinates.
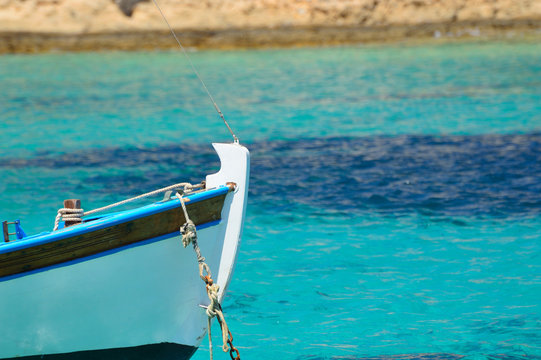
(142, 295)
(235, 160)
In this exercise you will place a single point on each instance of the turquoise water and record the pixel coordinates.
(395, 206)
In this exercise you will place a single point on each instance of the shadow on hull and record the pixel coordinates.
(163, 351)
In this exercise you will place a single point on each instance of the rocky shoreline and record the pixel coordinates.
(77, 25)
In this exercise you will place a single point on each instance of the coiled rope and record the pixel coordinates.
(74, 215)
(65, 214)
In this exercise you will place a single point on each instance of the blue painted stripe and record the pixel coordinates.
(109, 220)
(108, 252)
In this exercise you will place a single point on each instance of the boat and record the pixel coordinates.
(121, 285)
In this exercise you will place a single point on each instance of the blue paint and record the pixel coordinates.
(110, 220)
(19, 232)
(108, 252)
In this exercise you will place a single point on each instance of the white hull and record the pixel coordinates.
(145, 294)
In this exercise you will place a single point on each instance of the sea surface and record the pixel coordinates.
(395, 202)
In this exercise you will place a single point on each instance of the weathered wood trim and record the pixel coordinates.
(109, 238)
(5, 231)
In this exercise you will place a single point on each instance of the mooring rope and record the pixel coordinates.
(189, 236)
(235, 138)
(75, 215)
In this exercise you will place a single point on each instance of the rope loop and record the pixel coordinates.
(66, 214)
(203, 267)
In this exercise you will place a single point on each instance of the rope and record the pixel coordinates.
(185, 185)
(189, 236)
(76, 214)
(66, 214)
(235, 138)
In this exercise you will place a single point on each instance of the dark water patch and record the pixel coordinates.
(494, 175)
(438, 176)
(167, 155)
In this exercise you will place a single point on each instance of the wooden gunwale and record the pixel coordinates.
(109, 238)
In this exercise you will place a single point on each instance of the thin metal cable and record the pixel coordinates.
(235, 138)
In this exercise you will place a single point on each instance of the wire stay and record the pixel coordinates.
(235, 138)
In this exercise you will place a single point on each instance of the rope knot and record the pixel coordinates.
(214, 307)
(189, 234)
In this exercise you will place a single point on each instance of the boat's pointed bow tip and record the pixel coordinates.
(235, 165)
(219, 147)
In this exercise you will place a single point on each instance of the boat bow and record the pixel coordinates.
(235, 167)
(121, 285)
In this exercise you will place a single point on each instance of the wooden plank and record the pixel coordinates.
(72, 204)
(5, 231)
(109, 238)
